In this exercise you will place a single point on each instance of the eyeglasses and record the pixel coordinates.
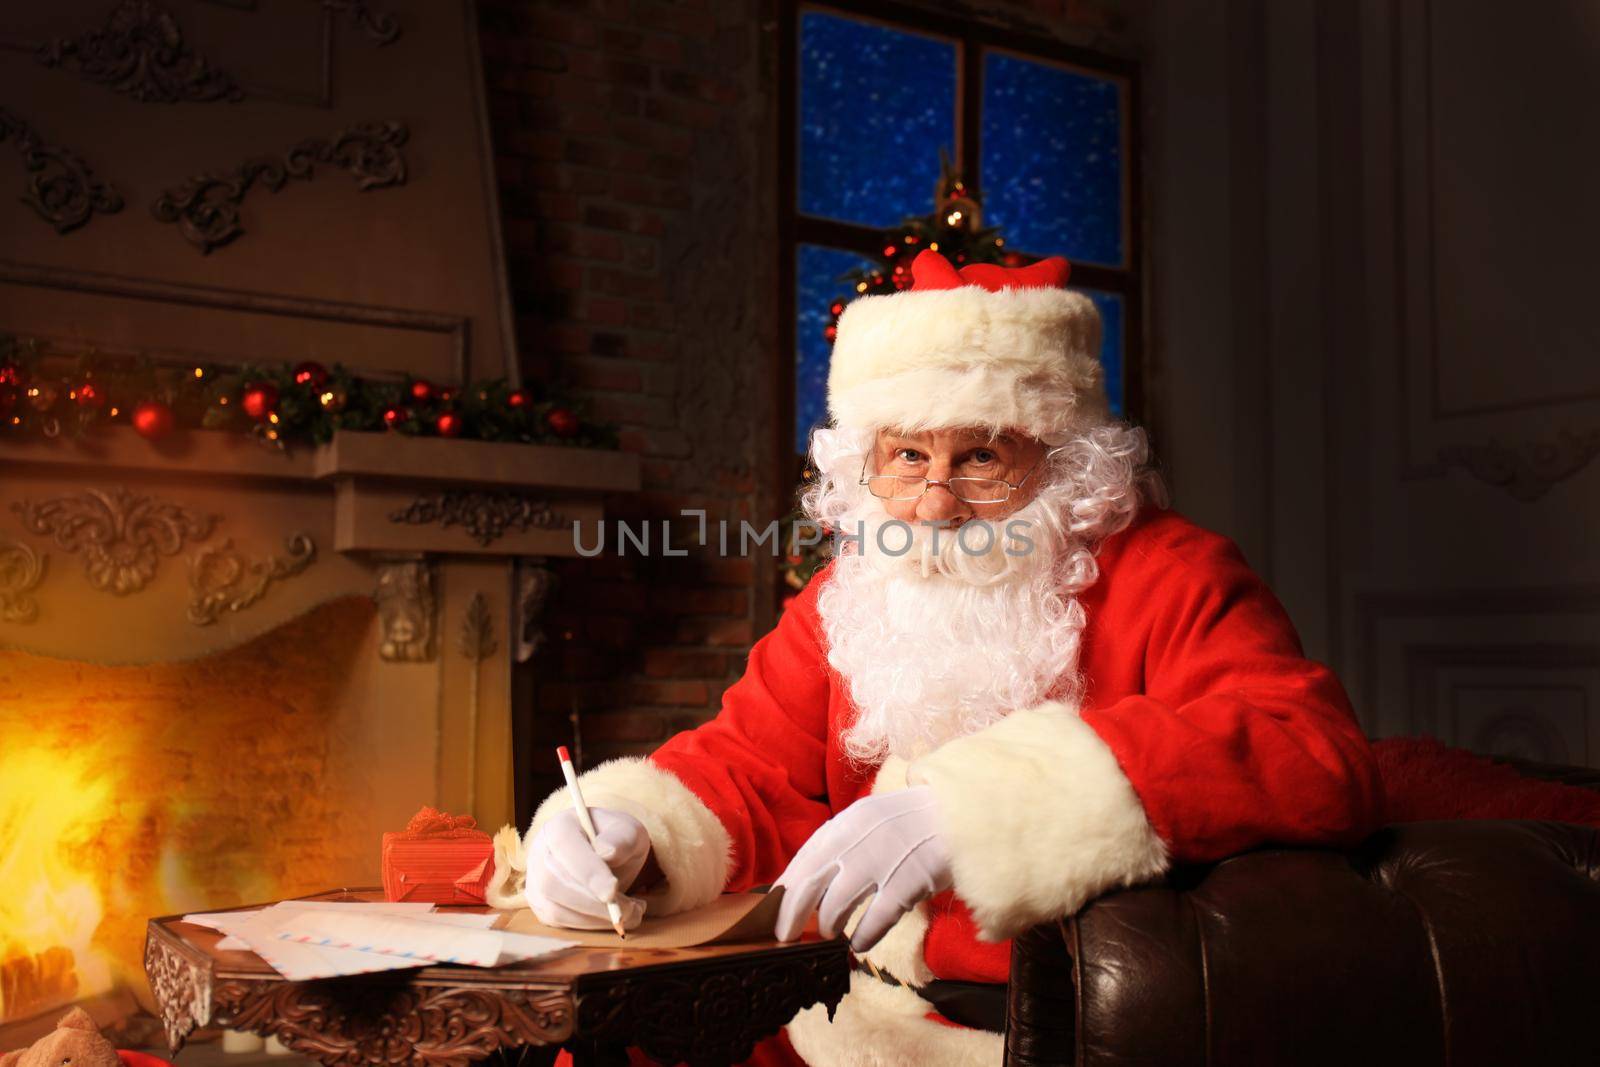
(966, 490)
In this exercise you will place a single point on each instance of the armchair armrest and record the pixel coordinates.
(1462, 942)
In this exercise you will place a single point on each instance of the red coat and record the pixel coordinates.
(1196, 685)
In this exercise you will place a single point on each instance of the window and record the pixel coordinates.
(872, 93)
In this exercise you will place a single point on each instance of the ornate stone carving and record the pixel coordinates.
(712, 1014)
(382, 28)
(223, 580)
(182, 989)
(535, 582)
(206, 207)
(140, 52)
(1527, 473)
(476, 640)
(406, 611)
(371, 1021)
(485, 515)
(121, 535)
(21, 570)
(64, 190)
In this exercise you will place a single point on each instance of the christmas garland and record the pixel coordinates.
(48, 395)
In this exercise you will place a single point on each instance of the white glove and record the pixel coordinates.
(569, 879)
(887, 844)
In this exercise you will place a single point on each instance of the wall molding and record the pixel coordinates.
(64, 190)
(1374, 608)
(206, 207)
(454, 327)
(121, 535)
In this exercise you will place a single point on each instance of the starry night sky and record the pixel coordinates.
(875, 107)
(877, 104)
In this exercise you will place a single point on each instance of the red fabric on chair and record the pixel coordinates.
(1425, 780)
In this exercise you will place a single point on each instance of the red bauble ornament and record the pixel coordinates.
(517, 398)
(311, 374)
(259, 400)
(153, 420)
(448, 424)
(90, 396)
(395, 415)
(836, 308)
(562, 422)
(830, 331)
(421, 391)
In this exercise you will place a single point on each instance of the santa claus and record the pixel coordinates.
(1022, 683)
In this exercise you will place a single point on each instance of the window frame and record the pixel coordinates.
(973, 40)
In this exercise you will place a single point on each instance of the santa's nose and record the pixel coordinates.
(940, 505)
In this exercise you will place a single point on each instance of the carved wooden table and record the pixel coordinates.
(705, 1006)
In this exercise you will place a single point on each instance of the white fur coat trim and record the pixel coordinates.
(690, 843)
(879, 1025)
(1018, 358)
(1039, 819)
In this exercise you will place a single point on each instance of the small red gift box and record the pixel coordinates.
(437, 859)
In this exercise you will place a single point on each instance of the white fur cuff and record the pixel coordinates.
(1039, 819)
(689, 842)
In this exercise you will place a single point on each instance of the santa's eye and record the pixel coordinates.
(908, 455)
(983, 457)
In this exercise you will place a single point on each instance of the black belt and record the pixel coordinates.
(978, 1005)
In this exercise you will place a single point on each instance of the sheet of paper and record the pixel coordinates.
(221, 920)
(414, 939)
(731, 918)
(301, 962)
(259, 930)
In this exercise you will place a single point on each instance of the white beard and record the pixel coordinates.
(935, 646)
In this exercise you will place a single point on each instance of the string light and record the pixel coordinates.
(952, 218)
(113, 413)
(272, 417)
(199, 372)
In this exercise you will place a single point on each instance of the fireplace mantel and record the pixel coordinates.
(117, 550)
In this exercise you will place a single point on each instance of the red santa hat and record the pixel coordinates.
(1003, 348)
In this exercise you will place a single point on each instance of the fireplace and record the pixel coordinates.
(224, 671)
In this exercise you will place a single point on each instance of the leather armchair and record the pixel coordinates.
(1460, 943)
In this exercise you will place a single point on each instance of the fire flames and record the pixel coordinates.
(51, 807)
(128, 792)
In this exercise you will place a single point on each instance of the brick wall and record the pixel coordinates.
(636, 145)
(635, 186)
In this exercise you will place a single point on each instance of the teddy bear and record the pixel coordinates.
(75, 1042)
